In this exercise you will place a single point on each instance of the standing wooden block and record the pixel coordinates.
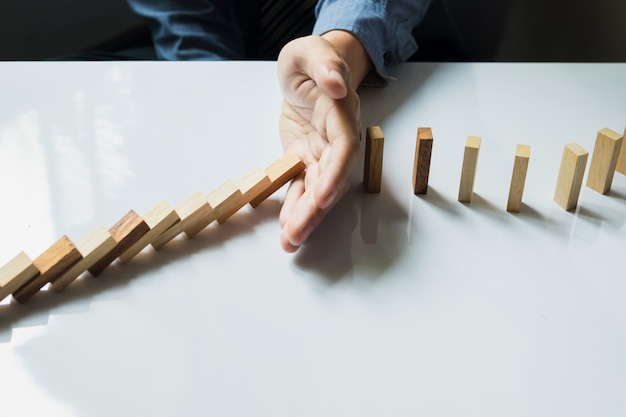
(51, 264)
(252, 184)
(604, 160)
(279, 173)
(92, 247)
(373, 169)
(159, 219)
(421, 162)
(126, 233)
(571, 174)
(518, 178)
(225, 200)
(468, 172)
(621, 160)
(195, 211)
(15, 273)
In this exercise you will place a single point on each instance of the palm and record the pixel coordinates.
(324, 132)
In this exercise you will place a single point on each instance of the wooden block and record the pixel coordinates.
(604, 160)
(159, 219)
(15, 273)
(621, 160)
(225, 200)
(373, 169)
(421, 162)
(571, 174)
(51, 264)
(518, 178)
(195, 211)
(279, 173)
(126, 233)
(253, 184)
(468, 172)
(92, 247)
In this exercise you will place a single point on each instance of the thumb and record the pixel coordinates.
(315, 58)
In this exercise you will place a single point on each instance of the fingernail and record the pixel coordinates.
(304, 236)
(329, 199)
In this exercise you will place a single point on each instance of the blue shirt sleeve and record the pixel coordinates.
(384, 27)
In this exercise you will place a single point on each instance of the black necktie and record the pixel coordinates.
(282, 21)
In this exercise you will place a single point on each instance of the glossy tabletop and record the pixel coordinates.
(399, 305)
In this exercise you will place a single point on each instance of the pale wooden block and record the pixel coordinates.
(226, 200)
(421, 162)
(604, 160)
(51, 264)
(571, 174)
(279, 173)
(468, 172)
(92, 247)
(15, 273)
(518, 178)
(159, 219)
(621, 160)
(252, 184)
(373, 167)
(194, 211)
(126, 232)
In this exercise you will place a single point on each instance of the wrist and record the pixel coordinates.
(353, 52)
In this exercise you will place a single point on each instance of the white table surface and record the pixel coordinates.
(398, 306)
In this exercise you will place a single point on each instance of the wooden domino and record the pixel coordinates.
(15, 273)
(195, 211)
(279, 173)
(51, 264)
(621, 160)
(518, 178)
(571, 174)
(604, 160)
(126, 232)
(468, 171)
(159, 219)
(374, 147)
(421, 162)
(252, 184)
(92, 247)
(225, 200)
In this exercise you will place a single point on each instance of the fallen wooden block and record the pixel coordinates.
(604, 160)
(52, 263)
(252, 184)
(373, 168)
(468, 171)
(225, 200)
(571, 174)
(126, 233)
(15, 273)
(92, 247)
(279, 173)
(518, 178)
(621, 160)
(195, 211)
(421, 162)
(159, 219)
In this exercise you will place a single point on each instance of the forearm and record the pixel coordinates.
(353, 52)
(383, 27)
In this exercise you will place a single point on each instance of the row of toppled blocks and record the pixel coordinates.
(608, 156)
(65, 261)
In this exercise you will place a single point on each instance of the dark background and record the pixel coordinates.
(492, 30)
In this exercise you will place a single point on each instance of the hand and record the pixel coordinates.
(320, 123)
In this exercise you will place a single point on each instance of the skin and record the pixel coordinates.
(319, 122)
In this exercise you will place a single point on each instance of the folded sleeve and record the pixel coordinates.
(384, 27)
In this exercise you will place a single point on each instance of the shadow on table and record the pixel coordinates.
(331, 250)
(46, 302)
